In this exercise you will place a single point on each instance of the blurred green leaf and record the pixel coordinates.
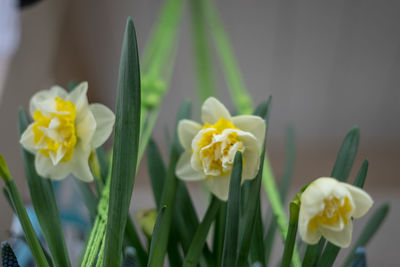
(291, 234)
(229, 253)
(44, 203)
(157, 170)
(372, 226)
(219, 231)
(125, 157)
(200, 236)
(160, 239)
(362, 175)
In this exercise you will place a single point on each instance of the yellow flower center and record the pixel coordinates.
(56, 130)
(334, 211)
(217, 149)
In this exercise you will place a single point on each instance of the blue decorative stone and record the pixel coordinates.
(8, 258)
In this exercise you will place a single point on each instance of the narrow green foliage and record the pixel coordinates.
(229, 252)
(200, 236)
(4, 171)
(132, 239)
(29, 232)
(160, 238)
(369, 231)
(204, 68)
(126, 143)
(103, 162)
(292, 232)
(157, 171)
(233, 76)
(252, 204)
(313, 253)
(219, 231)
(156, 238)
(347, 153)
(44, 202)
(257, 244)
(289, 164)
(362, 175)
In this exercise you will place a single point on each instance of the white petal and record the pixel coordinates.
(85, 129)
(212, 110)
(184, 169)
(79, 98)
(104, 124)
(82, 171)
(308, 236)
(339, 238)
(251, 163)
(362, 201)
(219, 186)
(44, 100)
(27, 140)
(187, 130)
(252, 124)
(46, 169)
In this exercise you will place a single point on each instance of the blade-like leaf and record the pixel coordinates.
(362, 175)
(229, 253)
(200, 236)
(125, 151)
(346, 155)
(291, 234)
(160, 239)
(157, 171)
(369, 231)
(44, 203)
(219, 231)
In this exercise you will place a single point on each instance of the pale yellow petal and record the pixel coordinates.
(252, 124)
(339, 238)
(27, 140)
(46, 169)
(187, 130)
(79, 98)
(184, 169)
(308, 236)
(362, 200)
(251, 158)
(212, 110)
(105, 119)
(44, 99)
(85, 129)
(219, 186)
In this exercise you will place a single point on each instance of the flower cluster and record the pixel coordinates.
(64, 131)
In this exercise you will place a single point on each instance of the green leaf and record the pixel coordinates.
(132, 239)
(229, 252)
(160, 239)
(369, 231)
(219, 231)
(200, 236)
(205, 82)
(88, 197)
(30, 235)
(313, 253)
(156, 239)
(44, 203)
(157, 171)
(257, 244)
(289, 164)
(252, 210)
(362, 175)
(230, 66)
(346, 155)
(126, 143)
(291, 234)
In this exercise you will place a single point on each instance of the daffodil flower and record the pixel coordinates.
(64, 131)
(210, 147)
(327, 209)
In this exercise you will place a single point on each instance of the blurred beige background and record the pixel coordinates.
(328, 65)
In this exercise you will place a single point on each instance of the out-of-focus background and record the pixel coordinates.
(327, 64)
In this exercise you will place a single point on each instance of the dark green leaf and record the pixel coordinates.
(132, 238)
(219, 231)
(291, 235)
(369, 230)
(346, 155)
(200, 236)
(126, 143)
(362, 175)
(157, 236)
(229, 252)
(44, 202)
(160, 239)
(313, 253)
(157, 171)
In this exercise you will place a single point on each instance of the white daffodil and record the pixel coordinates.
(64, 131)
(210, 148)
(327, 209)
